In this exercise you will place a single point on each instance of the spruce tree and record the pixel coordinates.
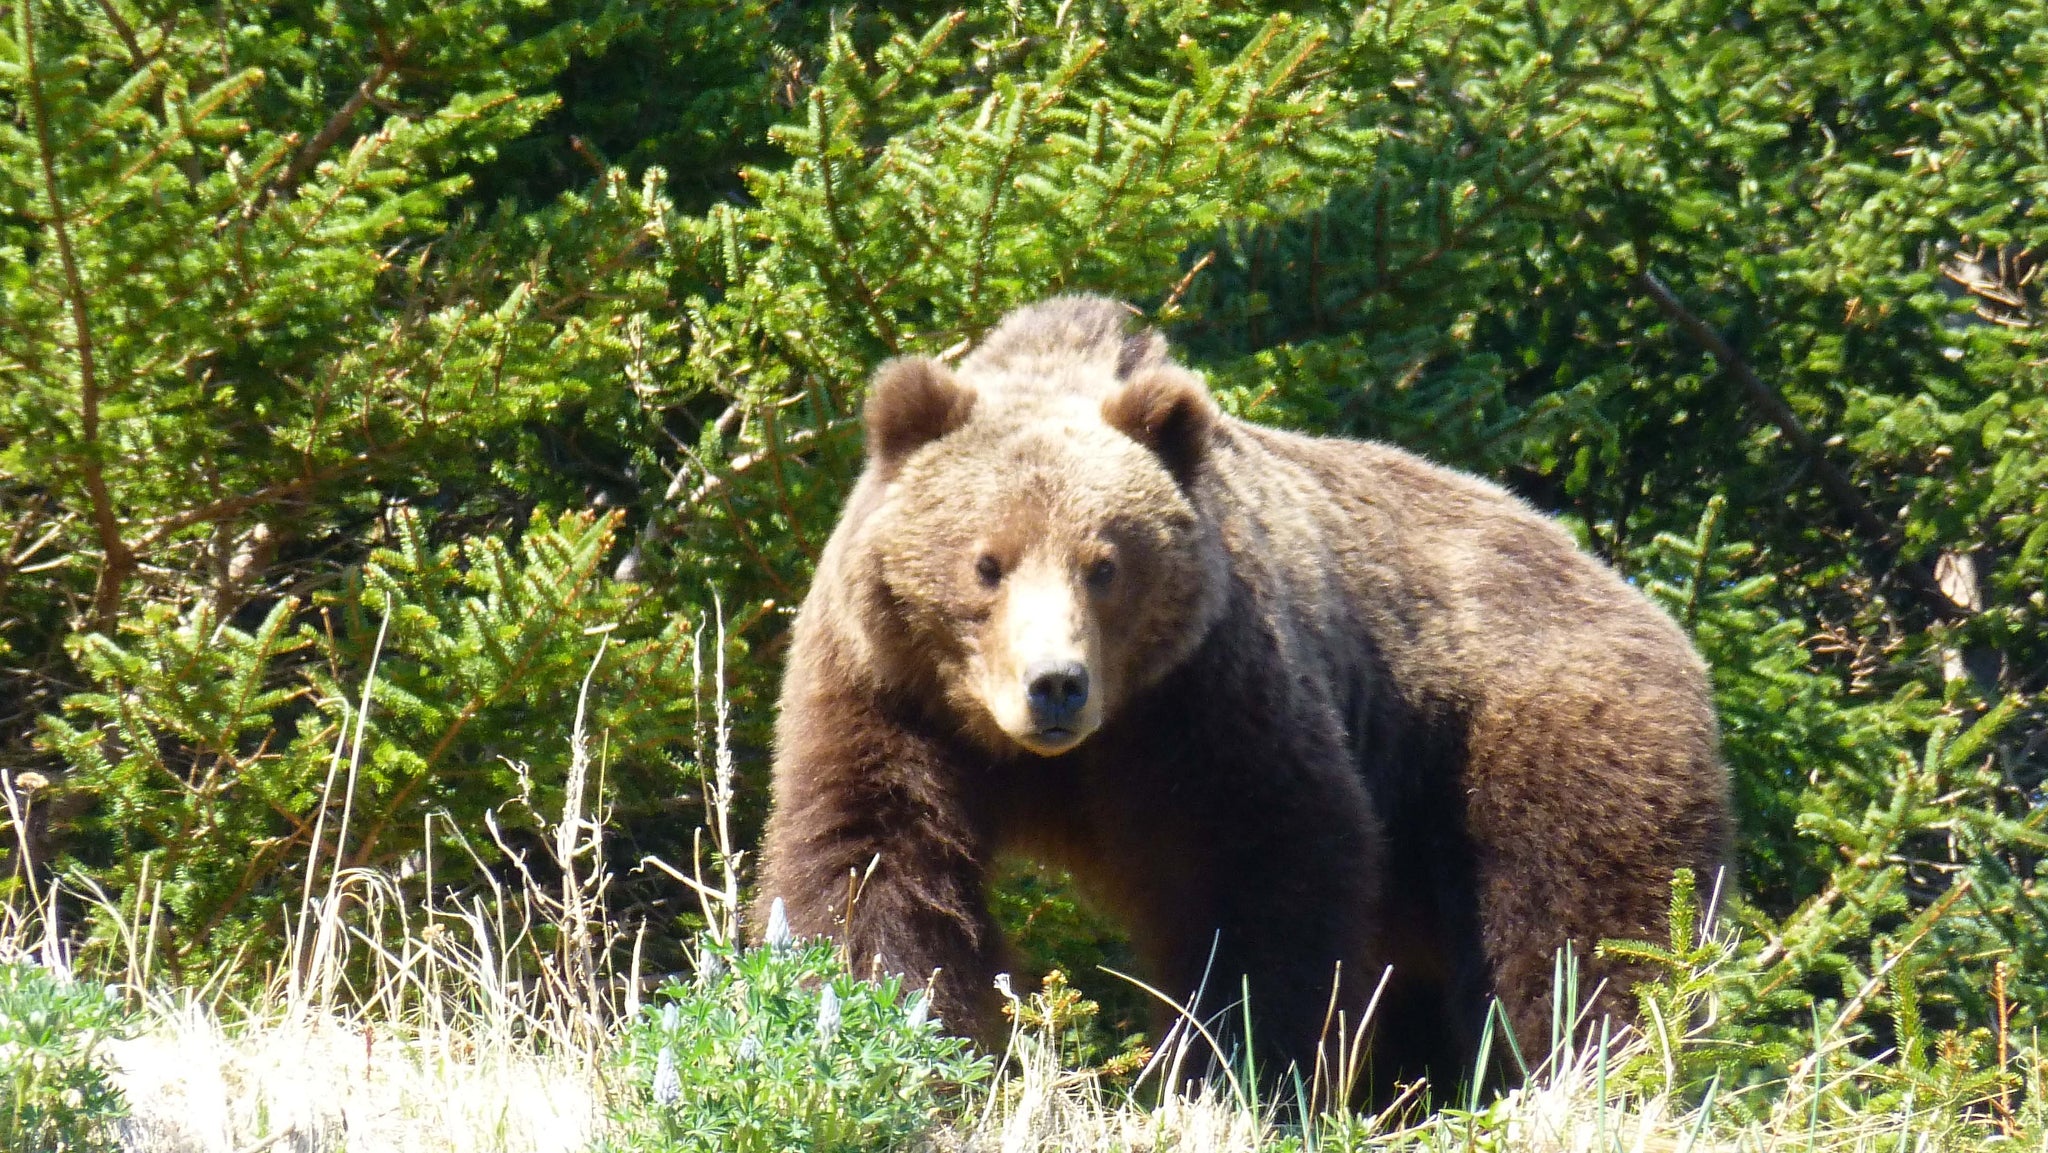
(325, 323)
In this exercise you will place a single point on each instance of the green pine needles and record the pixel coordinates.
(370, 368)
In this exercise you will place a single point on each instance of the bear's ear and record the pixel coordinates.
(913, 401)
(1169, 410)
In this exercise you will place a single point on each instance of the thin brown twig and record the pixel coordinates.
(124, 31)
(1186, 282)
(118, 560)
(310, 155)
(230, 506)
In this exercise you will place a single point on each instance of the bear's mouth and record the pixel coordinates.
(1051, 740)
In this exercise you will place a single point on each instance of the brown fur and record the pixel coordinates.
(1348, 707)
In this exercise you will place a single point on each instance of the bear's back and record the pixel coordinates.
(1460, 586)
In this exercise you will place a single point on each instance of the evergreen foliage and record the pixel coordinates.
(349, 344)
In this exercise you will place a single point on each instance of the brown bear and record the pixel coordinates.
(1279, 704)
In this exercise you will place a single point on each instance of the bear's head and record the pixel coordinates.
(1035, 546)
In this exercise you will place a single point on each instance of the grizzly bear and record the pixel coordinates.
(1300, 714)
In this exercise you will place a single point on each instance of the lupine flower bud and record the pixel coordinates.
(668, 1087)
(828, 1015)
(778, 935)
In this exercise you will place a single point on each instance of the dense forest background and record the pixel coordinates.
(467, 337)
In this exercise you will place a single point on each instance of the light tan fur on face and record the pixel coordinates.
(1042, 615)
(1046, 502)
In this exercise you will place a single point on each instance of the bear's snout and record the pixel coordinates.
(1056, 692)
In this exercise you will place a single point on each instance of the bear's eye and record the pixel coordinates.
(1101, 573)
(989, 569)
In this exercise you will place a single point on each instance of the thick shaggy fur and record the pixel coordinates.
(1346, 708)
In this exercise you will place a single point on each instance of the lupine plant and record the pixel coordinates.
(781, 1048)
(55, 1094)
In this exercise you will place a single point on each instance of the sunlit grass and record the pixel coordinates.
(492, 1024)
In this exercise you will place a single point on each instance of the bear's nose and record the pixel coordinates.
(1056, 691)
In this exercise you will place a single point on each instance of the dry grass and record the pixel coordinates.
(319, 1086)
(1570, 1109)
(324, 1083)
(469, 1062)
(398, 1022)
(404, 1025)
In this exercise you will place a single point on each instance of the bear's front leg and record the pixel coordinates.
(873, 842)
(1242, 854)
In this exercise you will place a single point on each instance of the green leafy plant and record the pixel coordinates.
(55, 1094)
(779, 1049)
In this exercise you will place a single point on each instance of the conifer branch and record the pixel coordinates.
(118, 561)
(1847, 497)
(226, 507)
(568, 587)
(775, 447)
(1451, 239)
(248, 288)
(1012, 142)
(835, 214)
(176, 129)
(125, 31)
(310, 155)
